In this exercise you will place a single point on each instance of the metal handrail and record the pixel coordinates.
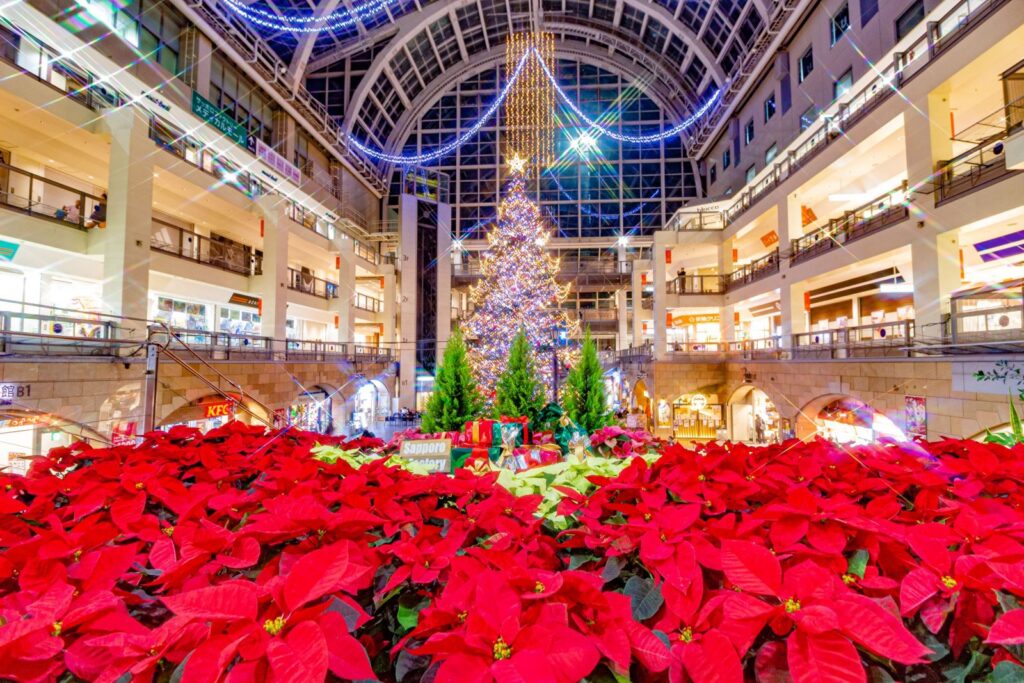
(304, 281)
(19, 180)
(697, 284)
(980, 165)
(881, 212)
(754, 271)
(228, 255)
(368, 303)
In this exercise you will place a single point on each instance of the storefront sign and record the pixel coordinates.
(8, 250)
(916, 419)
(123, 434)
(244, 300)
(219, 409)
(271, 158)
(10, 392)
(698, 402)
(207, 111)
(436, 454)
(683, 320)
(770, 238)
(25, 421)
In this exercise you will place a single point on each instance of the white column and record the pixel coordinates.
(659, 258)
(935, 264)
(638, 291)
(272, 285)
(622, 341)
(793, 316)
(727, 323)
(125, 240)
(388, 311)
(344, 305)
(407, 325)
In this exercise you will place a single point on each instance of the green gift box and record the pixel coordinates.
(460, 455)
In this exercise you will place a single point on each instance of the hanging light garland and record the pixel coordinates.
(449, 147)
(310, 23)
(529, 111)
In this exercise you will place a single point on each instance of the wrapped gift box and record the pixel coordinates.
(463, 453)
(527, 457)
(480, 433)
(518, 438)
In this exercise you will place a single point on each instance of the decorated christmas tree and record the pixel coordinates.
(456, 398)
(517, 290)
(519, 391)
(585, 400)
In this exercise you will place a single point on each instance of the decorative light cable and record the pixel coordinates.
(637, 139)
(451, 146)
(338, 19)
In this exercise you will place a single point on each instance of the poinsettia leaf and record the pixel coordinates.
(770, 664)
(408, 617)
(916, 588)
(751, 567)
(713, 660)
(649, 649)
(645, 597)
(324, 571)
(1008, 629)
(871, 626)
(227, 601)
(1007, 672)
(823, 658)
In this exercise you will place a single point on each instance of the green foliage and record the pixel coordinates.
(1014, 436)
(456, 398)
(584, 397)
(519, 391)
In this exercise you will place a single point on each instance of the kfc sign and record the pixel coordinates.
(222, 409)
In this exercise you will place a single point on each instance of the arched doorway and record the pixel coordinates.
(27, 434)
(369, 404)
(844, 419)
(642, 404)
(753, 417)
(215, 410)
(312, 410)
(697, 416)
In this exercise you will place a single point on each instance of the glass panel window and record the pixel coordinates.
(909, 19)
(769, 108)
(839, 24)
(808, 118)
(771, 153)
(726, 158)
(748, 132)
(868, 9)
(842, 84)
(751, 172)
(806, 65)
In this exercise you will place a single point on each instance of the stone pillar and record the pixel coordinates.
(785, 84)
(622, 340)
(408, 235)
(793, 316)
(125, 240)
(272, 285)
(195, 59)
(659, 258)
(344, 305)
(638, 287)
(935, 264)
(725, 264)
(927, 135)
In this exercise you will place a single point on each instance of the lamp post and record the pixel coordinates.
(557, 339)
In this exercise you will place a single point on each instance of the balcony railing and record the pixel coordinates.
(302, 281)
(574, 269)
(862, 341)
(888, 78)
(769, 348)
(368, 303)
(754, 271)
(41, 197)
(985, 162)
(44, 65)
(57, 335)
(226, 255)
(878, 214)
(697, 284)
(637, 354)
(699, 351)
(686, 221)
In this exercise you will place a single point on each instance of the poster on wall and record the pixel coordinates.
(916, 420)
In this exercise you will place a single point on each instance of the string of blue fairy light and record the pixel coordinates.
(310, 23)
(449, 147)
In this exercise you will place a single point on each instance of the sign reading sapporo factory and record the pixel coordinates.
(207, 111)
(436, 454)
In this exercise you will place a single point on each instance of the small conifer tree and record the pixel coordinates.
(519, 391)
(456, 398)
(584, 393)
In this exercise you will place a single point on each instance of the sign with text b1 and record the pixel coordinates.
(436, 454)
